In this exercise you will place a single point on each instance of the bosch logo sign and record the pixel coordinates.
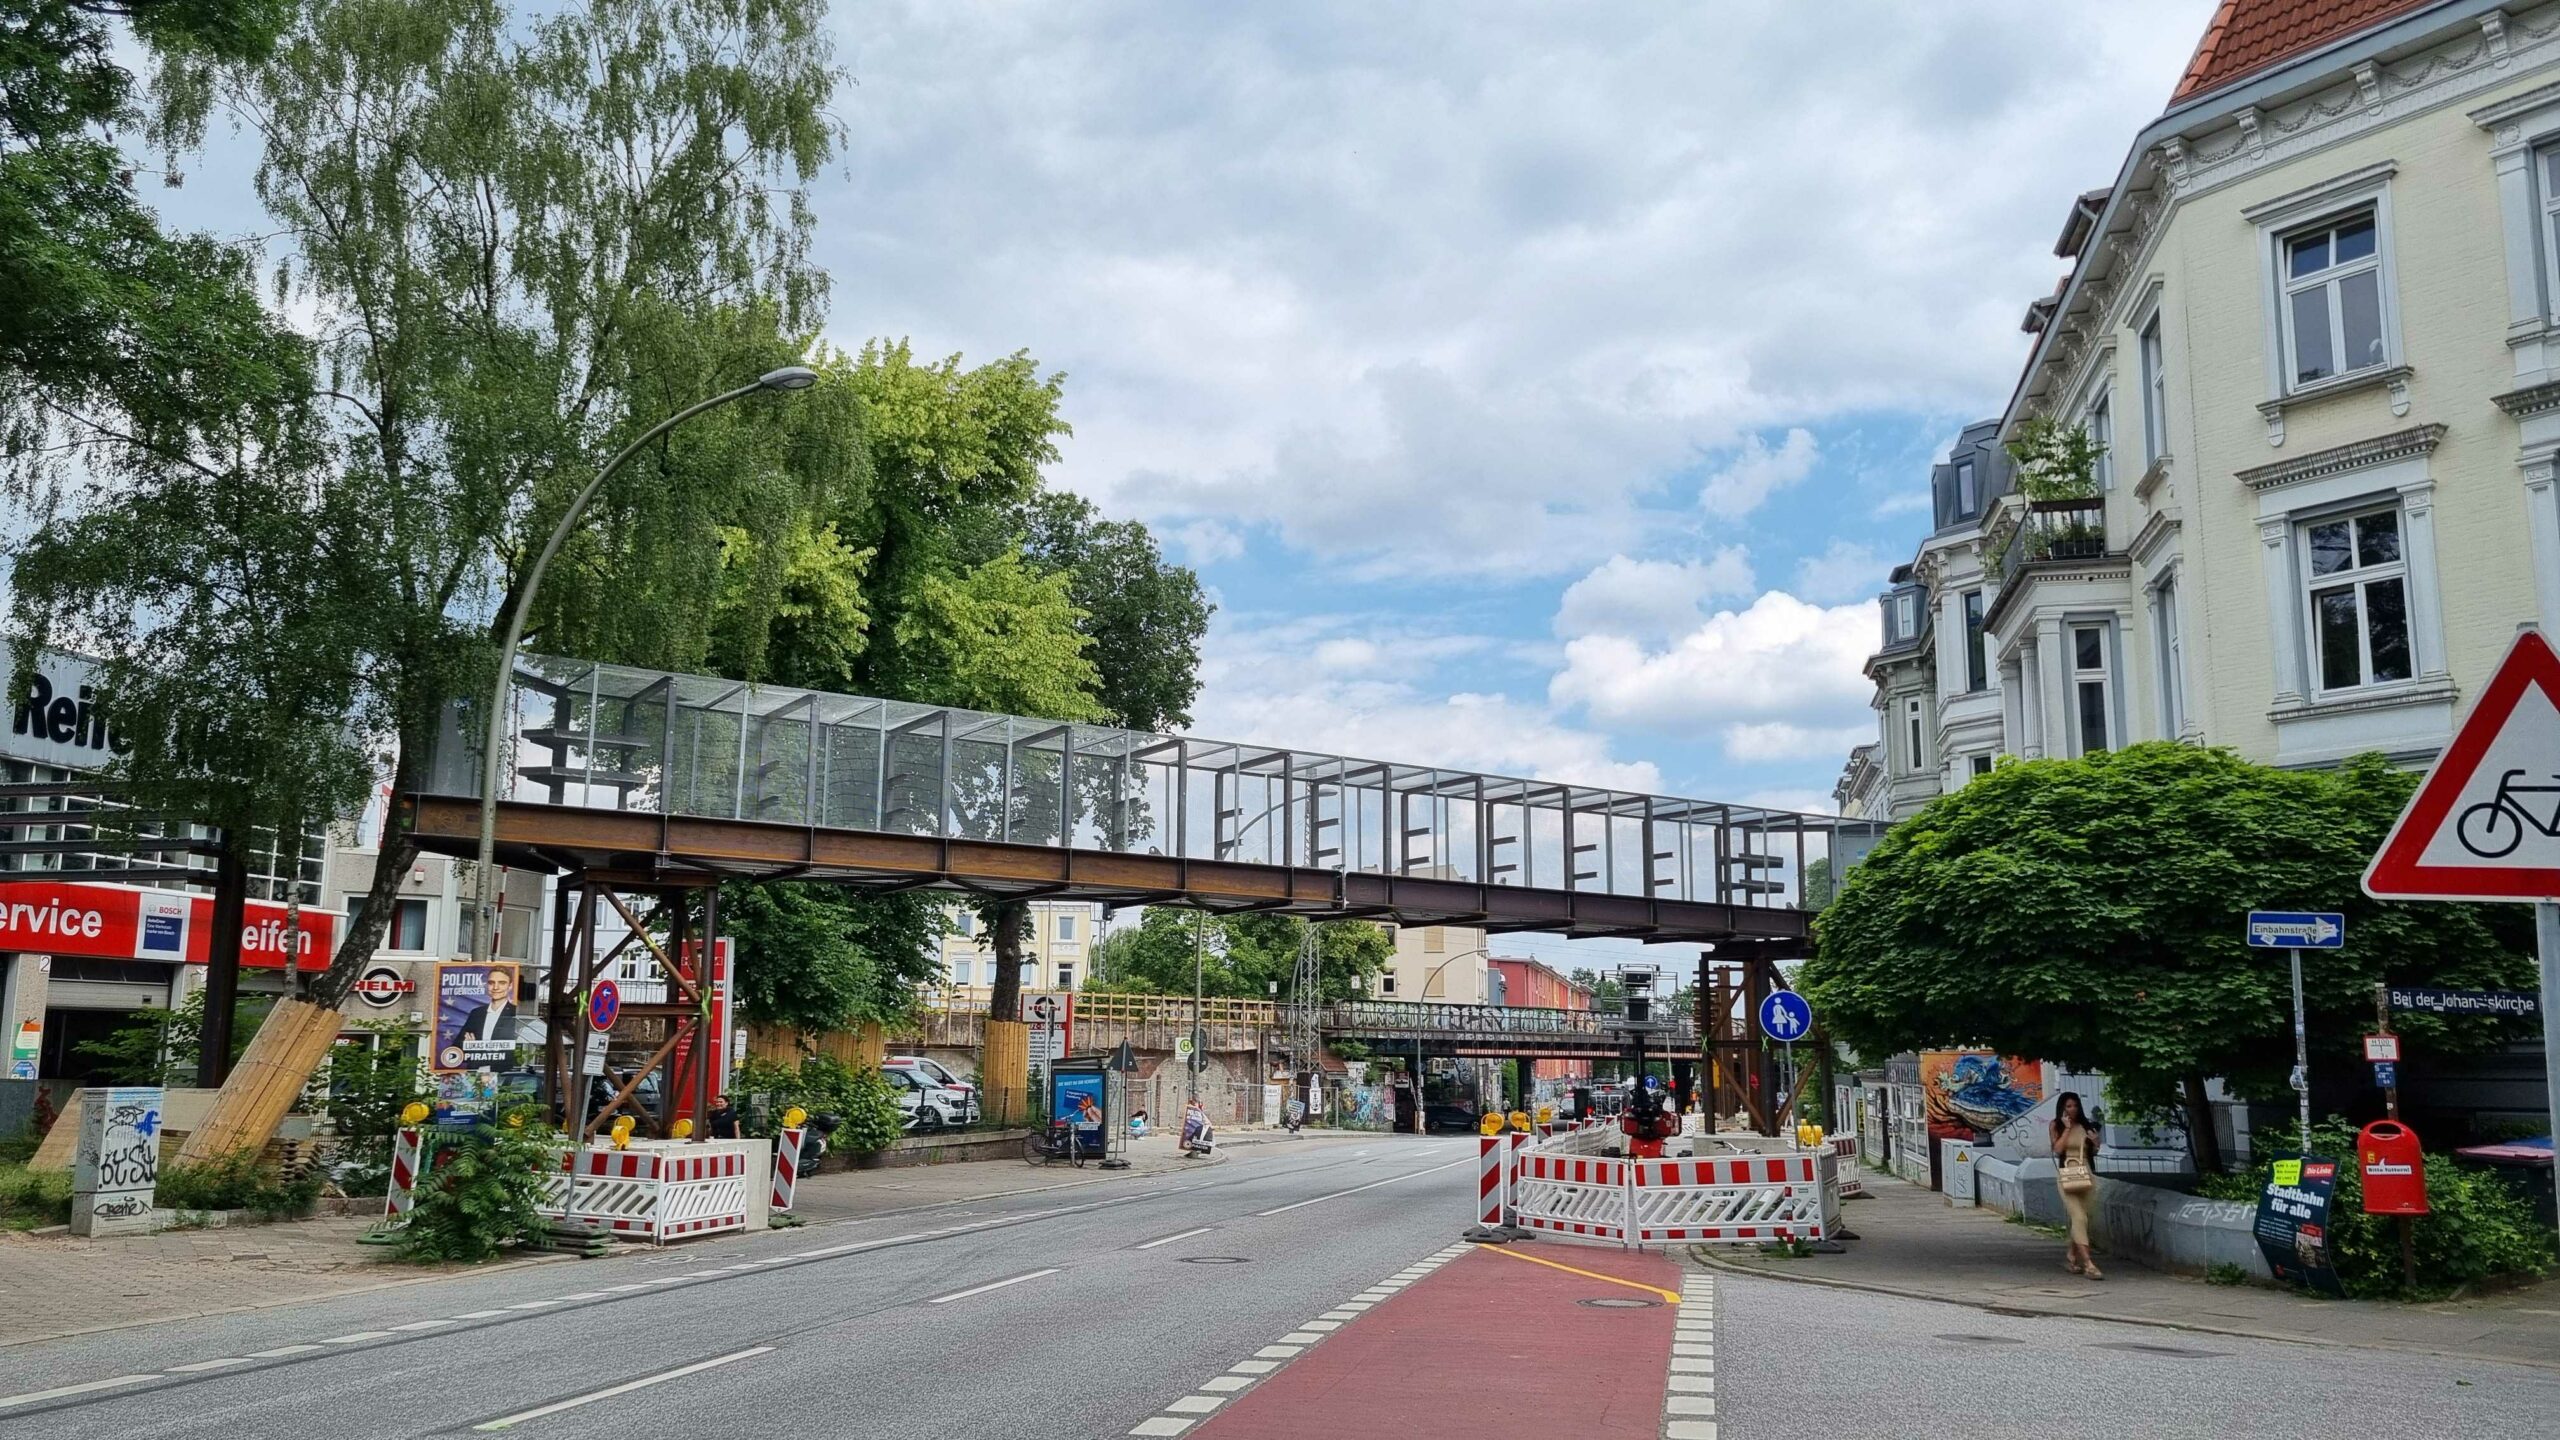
(381, 987)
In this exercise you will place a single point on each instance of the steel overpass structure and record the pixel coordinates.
(645, 779)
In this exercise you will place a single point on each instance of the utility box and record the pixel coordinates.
(1955, 1171)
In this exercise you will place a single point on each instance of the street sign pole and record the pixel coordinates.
(2546, 934)
(2301, 1052)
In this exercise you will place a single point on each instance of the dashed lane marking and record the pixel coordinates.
(61, 1391)
(1183, 1412)
(991, 1285)
(625, 1388)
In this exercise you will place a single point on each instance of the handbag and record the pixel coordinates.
(2075, 1175)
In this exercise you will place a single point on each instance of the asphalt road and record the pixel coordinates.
(1063, 1314)
(1804, 1362)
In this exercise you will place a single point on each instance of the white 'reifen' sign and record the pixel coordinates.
(117, 1165)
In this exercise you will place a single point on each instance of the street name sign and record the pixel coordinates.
(2297, 930)
(1784, 1016)
(2485, 822)
(2463, 1002)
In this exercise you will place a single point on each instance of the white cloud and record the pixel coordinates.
(1763, 740)
(1471, 288)
(1751, 477)
(1257, 687)
(1801, 801)
(1206, 542)
(1845, 571)
(1651, 598)
(1781, 659)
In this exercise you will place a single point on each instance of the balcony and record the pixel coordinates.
(2054, 530)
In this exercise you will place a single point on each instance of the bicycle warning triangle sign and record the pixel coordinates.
(2485, 823)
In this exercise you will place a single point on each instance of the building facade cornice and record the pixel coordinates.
(2338, 460)
(2531, 400)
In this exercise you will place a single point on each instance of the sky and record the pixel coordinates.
(1544, 389)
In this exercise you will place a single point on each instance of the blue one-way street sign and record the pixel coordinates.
(1785, 1016)
(2297, 930)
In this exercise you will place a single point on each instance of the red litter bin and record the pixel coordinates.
(2394, 1169)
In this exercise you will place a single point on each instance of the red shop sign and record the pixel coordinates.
(128, 922)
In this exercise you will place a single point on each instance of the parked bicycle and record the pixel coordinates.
(1057, 1143)
(2496, 826)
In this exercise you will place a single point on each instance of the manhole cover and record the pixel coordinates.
(1619, 1303)
(1213, 1260)
(1984, 1339)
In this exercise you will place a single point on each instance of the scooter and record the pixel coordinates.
(813, 1141)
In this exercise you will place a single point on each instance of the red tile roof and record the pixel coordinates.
(2247, 36)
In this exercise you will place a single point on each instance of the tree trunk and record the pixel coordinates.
(1008, 924)
(222, 958)
(2202, 1142)
(1004, 1059)
(398, 852)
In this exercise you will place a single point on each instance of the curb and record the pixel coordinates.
(518, 1263)
(2193, 1327)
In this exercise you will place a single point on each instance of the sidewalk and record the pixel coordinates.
(1912, 1243)
(67, 1285)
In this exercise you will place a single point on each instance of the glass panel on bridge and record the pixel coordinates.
(611, 737)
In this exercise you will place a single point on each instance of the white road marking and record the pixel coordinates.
(357, 1338)
(478, 1314)
(58, 1392)
(995, 1285)
(1356, 1189)
(1196, 1404)
(203, 1365)
(424, 1325)
(281, 1351)
(1169, 1239)
(1300, 1337)
(1278, 1352)
(625, 1388)
(1254, 1367)
(534, 1305)
(1160, 1425)
(1226, 1382)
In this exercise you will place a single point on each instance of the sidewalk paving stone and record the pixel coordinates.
(1912, 1243)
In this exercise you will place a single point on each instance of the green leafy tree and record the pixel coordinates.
(2089, 912)
(482, 1189)
(518, 239)
(369, 1085)
(819, 959)
(1241, 956)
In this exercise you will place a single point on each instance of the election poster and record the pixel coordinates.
(2293, 1222)
(479, 1022)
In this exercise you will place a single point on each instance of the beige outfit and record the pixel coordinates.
(2079, 1144)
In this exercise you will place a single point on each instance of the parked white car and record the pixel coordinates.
(927, 1106)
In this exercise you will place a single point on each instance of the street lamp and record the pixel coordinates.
(483, 939)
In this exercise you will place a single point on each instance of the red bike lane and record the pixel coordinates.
(1499, 1342)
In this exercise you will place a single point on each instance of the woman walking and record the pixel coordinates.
(2075, 1145)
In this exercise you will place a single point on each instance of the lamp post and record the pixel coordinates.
(483, 939)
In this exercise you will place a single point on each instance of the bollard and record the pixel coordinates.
(786, 1169)
(402, 1193)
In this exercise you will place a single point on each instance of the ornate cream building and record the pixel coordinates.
(2315, 323)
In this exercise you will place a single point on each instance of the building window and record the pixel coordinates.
(2155, 393)
(1905, 623)
(1912, 753)
(2548, 170)
(2332, 287)
(1066, 927)
(968, 922)
(2358, 586)
(1434, 940)
(408, 927)
(1066, 977)
(1968, 490)
(2091, 710)
(1981, 766)
(2173, 660)
(964, 971)
(1387, 984)
(1977, 668)
(2101, 426)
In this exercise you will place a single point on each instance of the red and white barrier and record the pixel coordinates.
(786, 1169)
(653, 1193)
(1853, 1173)
(408, 1148)
(1722, 1199)
(1493, 1176)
